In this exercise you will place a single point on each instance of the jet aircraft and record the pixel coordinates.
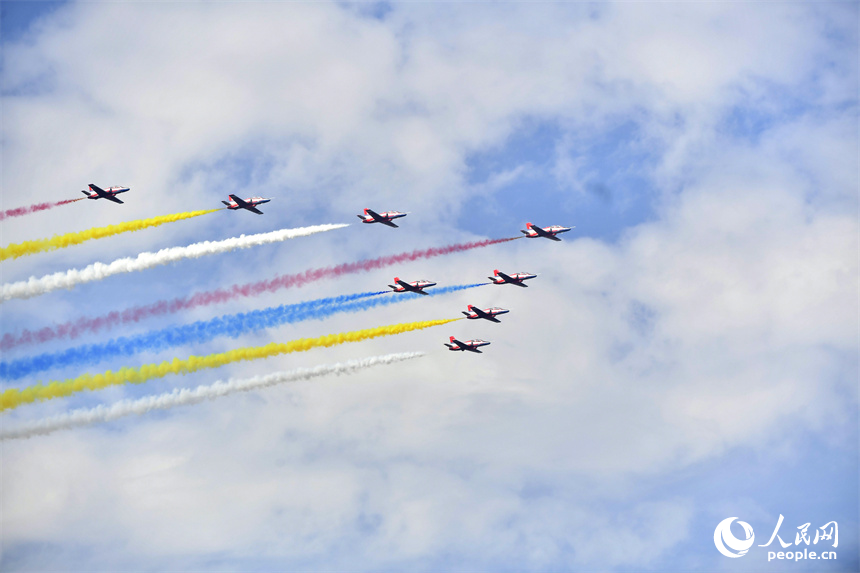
(371, 216)
(548, 232)
(414, 286)
(249, 204)
(110, 193)
(470, 345)
(487, 313)
(501, 278)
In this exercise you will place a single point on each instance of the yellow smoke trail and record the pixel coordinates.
(14, 397)
(60, 241)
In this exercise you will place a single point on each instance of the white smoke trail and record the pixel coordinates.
(98, 271)
(186, 396)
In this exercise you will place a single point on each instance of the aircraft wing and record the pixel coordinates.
(385, 222)
(245, 205)
(375, 215)
(544, 234)
(112, 198)
(470, 349)
(410, 288)
(459, 344)
(506, 277)
(482, 314)
(239, 201)
(98, 190)
(541, 232)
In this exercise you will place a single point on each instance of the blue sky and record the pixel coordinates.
(688, 353)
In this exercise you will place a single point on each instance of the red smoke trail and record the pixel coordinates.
(85, 325)
(33, 208)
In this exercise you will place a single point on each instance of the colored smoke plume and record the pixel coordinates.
(233, 325)
(16, 250)
(89, 325)
(14, 397)
(34, 208)
(189, 396)
(98, 271)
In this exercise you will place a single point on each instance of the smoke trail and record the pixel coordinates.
(61, 241)
(14, 397)
(197, 332)
(86, 325)
(146, 260)
(187, 397)
(33, 208)
(233, 326)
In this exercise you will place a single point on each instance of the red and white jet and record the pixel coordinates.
(547, 233)
(487, 313)
(371, 216)
(414, 286)
(470, 345)
(501, 278)
(249, 204)
(110, 193)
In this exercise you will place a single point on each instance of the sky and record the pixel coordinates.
(688, 352)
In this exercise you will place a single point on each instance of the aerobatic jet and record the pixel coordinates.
(110, 193)
(470, 345)
(249, 204)
(371, 216)
(547, 233)
(414, 286)
(501, 278)
(487, 313)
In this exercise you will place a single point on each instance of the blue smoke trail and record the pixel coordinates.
(233, 326)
